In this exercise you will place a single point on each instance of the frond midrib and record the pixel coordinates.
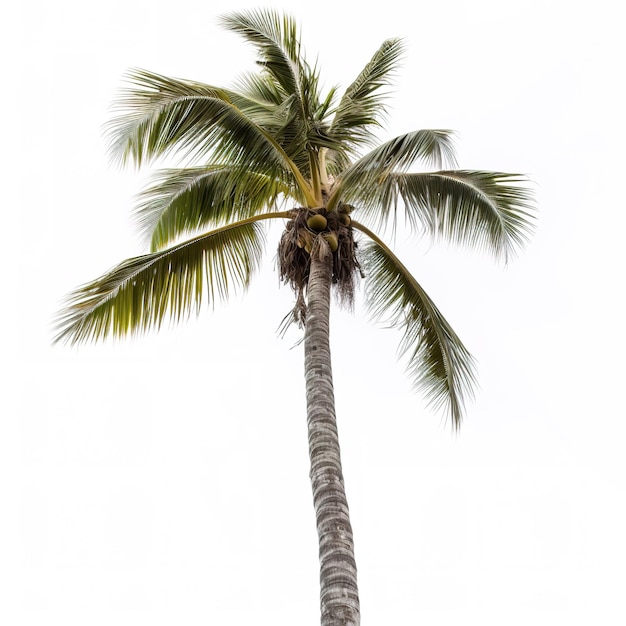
(180, 246)
(301, 182)
(456, 402)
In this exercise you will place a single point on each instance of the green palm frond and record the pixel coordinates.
(363, 105)
(481, 209)
(279, 115)
(141, 292)
(361, 183)
(160, 115)
(277, 40)
(183, 201)
(260, 99)
(260, 89)
(438, 362)
(289, 81)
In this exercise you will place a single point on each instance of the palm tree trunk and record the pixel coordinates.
(338, 585)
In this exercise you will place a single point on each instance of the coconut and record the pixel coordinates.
(332, 240)
(345, 219)
(317, 222)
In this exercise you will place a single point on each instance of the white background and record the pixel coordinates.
(165, 480)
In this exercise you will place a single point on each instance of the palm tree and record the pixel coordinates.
(274, 147)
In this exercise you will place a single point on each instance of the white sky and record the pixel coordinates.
(165, 480)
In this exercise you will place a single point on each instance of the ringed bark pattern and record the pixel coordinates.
(338, 579)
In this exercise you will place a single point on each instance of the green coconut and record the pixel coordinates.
(345, 219)
(317, 222)
(332, 240)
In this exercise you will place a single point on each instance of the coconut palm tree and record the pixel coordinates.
(273, 147)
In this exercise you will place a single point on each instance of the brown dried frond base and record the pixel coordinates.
(294, 258)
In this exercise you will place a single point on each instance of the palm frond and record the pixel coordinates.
(277, 41)
(259, 98)
(160, 115)
(363, 105)
(438, 362)
(279, 115)
(288, 81)
(183, 201)
(361, 182)
(141, 292)
(491, 210)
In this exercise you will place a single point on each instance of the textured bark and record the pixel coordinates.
(338, 584)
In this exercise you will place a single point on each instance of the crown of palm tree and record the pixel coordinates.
(274, 139)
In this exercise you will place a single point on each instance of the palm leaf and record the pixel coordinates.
(362, 105)
(491, 210)
(277, 40)
(438, 362)
(183, 201)
(258, 96)
(160, 115)
(270, 108)
(289, 81)
(361, 182)
(139, 293)
(260, 89)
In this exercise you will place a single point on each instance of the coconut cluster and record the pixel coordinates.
(299, 238)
